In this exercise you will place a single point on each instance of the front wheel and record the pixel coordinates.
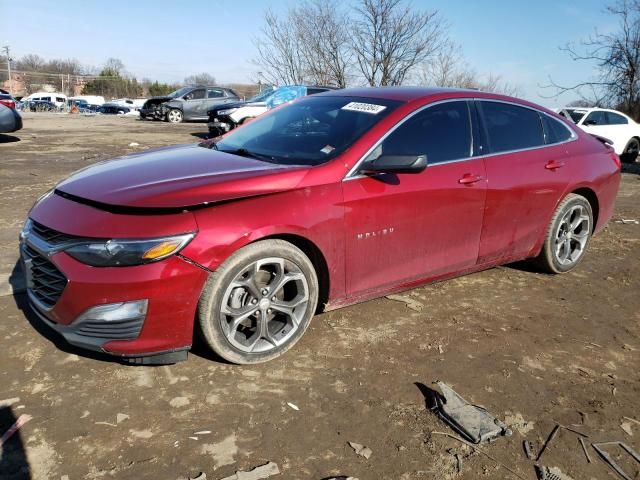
(259, 303)
(568, 235)
(631, 151)
(174, 116)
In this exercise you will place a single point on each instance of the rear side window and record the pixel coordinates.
(442, 132)
(510, 127)
(215, 93)
(555, 131)
(615, 119)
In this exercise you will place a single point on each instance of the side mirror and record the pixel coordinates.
(396, 164)
(590, 122)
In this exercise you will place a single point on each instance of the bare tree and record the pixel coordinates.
(448, 68)
(321, 30)
(390, 38)
(617, 58)
(279, 55)
(200, 79)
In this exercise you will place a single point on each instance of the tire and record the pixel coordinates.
(567, 236)
(631, 151)
(174, 116)
(262, 280)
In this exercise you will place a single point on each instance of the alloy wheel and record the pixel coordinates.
(174, 116)
(572, 235)
(264, 305)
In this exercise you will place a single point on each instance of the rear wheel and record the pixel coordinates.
(259, 303)
(174, 116)
(631, 151)
(568, 235)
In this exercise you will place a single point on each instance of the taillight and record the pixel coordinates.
(616, 160)
(8, 103)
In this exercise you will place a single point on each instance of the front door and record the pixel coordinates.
(195, 104)
(405, 227)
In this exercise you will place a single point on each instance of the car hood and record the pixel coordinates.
(157, 100)
(226, 106)
(178, 177)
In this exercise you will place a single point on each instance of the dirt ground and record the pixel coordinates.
(534, 349)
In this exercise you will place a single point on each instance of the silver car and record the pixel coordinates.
(187, 104)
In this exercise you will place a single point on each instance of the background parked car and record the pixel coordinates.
(227, 117)
(10, 119)
(113, 109)
(187, 103)
(621, 129)
(58, 99)
(40, 106)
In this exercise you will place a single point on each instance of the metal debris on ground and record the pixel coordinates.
(554, 473)
(584, 449)
(293, 405)
(361, 450)
(341, 477)
(606, 457)
(527, 449)
(18, 424)
(202, 432)
(264, 471)
(550, 438)
(473, 422)
(409, 302)
(628, 221)
(626, 426)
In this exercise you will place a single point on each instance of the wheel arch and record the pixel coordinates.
(318, 260)
(592, 198)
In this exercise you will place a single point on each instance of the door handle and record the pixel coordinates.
(469, 179)
(554, 165)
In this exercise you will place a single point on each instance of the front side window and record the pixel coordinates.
(616, 119)
(441, 132)
(195, 95)
(596, 118)
(310, 131)
(510, 127)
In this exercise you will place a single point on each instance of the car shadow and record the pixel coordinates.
(4, 138)
(201, 135)
(631, 168)
(22, 302)
(14, 464)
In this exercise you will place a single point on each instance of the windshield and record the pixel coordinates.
(180, 92)
(259, 97)
(574, 115)
(310, 131)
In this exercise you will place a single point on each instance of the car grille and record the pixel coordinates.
(48, 281)
(49, 235)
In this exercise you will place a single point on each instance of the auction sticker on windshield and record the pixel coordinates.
(364, 107)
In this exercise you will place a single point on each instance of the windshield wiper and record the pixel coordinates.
(243, 152)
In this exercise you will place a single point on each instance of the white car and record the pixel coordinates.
(622, 130)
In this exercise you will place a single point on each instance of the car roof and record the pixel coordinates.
(407, 94)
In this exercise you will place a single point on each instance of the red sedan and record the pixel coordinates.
(331, 200)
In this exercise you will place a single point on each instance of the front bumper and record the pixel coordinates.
(222, 124)
(170, 289)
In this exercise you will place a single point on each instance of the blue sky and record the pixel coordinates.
(168, 40)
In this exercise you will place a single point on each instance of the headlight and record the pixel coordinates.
(228, 111)
(124, 253)
(26, 229)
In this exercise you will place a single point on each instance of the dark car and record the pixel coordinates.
(7, 99)
(227, 117)
(10, 119)
(330, 200)
(187, 103)
(41, 106)
(113, 109)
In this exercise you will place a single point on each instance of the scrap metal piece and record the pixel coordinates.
(264, 471)
(550, 438)
(527, 449)
(473, 422)
(609, 461)
(584, 449)
(553, 473)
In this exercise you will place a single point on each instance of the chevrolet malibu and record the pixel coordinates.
(329, 201)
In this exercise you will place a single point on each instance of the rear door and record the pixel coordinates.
(404, 227)
(526, 176)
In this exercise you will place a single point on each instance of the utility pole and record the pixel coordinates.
(6, 51)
